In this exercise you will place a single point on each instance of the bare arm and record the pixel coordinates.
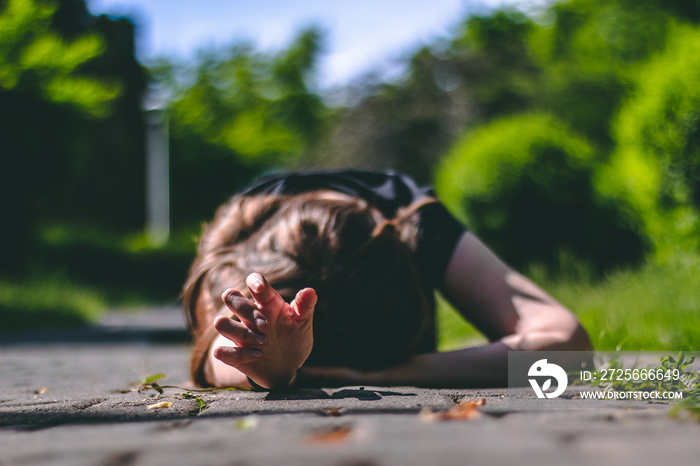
(508, 308)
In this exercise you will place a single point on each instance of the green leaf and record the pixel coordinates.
(153, 378)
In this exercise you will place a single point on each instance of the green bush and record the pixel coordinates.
(525, 185)
(655, 171)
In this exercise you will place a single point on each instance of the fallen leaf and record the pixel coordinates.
(162, 404)
(463, 411)
(334, 435)
(334, 412)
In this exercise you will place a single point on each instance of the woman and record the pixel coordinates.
(327, 278)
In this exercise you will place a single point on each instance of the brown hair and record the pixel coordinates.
(372, 310)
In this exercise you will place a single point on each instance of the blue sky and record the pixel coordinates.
(361, 35)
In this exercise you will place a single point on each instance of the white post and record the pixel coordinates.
(157, 177)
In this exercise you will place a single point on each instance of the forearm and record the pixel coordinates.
(484, 366)
(478, 367)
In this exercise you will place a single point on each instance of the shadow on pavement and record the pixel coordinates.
(318, 394)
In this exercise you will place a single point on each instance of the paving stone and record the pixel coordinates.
(68, 403)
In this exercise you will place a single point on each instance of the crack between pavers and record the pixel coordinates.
(88, 403)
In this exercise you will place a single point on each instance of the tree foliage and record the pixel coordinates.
(69, 88)
(592, 104)
(595, 60)
(238, 112)
(35, 58)
(452, 84)
(655, 170)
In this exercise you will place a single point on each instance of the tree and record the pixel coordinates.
(451, 86)
(54, 94)
(235, 114)
(655, 170)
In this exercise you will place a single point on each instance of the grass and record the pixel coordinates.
(48, 302)
(126, 269)
(656, 307)
(453, 331)
(76, 274)
(652, 308)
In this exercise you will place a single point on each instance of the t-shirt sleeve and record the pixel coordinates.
(438, 234)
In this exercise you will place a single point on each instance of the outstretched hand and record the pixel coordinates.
(272, 339)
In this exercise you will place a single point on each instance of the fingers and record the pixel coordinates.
(263, 293)
(246, 310)
(234, 356)
(238, 332)
(268, 302)
(304, 303)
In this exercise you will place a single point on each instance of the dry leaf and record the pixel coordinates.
(335, 435)
(462, 411)
(163, 404)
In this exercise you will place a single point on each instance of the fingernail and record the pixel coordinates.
(256, 353)
(260, 323)
(260, 338)
(257, 286)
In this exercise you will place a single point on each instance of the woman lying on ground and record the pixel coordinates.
(328, 279)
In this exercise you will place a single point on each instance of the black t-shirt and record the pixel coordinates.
(388, 191)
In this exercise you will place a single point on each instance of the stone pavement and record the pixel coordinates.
(68, 399)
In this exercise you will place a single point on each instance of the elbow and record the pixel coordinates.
(578, 340)
(567, 335)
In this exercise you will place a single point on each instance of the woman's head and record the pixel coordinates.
(371, 311)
